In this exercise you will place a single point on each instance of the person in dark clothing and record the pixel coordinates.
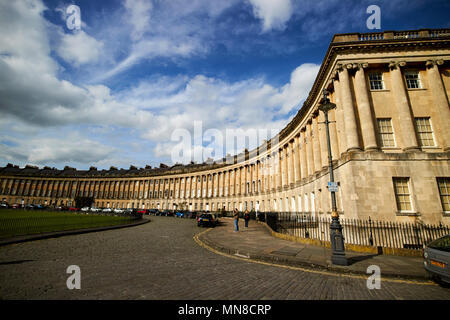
(236, 220)
(246, 218)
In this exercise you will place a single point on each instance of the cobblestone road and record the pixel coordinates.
(160, 260)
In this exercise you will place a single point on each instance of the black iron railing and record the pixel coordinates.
(357, 231)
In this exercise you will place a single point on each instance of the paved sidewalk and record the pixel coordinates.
(257, 243)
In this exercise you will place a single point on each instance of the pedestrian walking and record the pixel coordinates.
(236, 220)
(246, 218)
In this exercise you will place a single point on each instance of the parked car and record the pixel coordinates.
(180, 214)
(96, 209)
(153, 212)
(30, 206)
(107, 210)
(206, 219)
(85, 209)
(4, 206)
(118, 210)
(16, 206)
(143, 211)
(437, 259)
(74, 209)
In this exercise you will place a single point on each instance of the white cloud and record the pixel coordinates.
(274, 14)
(153, 48)
(79, 48)
(297, 89)
(250, 104)
(138, 12)
(31, 92)
(42, 151)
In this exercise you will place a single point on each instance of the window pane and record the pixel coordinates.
(402, 195)
(386, 134)
(424, 132)
(412, 80)
(444, 192)
(376, 81)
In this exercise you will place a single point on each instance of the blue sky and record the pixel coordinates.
(114, 92)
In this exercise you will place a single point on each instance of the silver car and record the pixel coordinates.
(437, 259)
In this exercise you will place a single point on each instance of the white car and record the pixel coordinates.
(107, 210)
(117, 210)
(95, 210)
(85, 209)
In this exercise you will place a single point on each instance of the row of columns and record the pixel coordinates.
(346, 114)
(299, 158)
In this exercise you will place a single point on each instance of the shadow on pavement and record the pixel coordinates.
(15, 262)
(353, 260)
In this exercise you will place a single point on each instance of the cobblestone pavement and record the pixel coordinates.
(160, 260)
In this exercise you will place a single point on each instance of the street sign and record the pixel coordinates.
(332, 186)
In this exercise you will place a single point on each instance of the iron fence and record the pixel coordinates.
(357, 231)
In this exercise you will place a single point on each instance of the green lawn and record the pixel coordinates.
(15, 222)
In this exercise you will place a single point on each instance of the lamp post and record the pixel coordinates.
(337, 239)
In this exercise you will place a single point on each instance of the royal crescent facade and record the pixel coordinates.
(389, 134)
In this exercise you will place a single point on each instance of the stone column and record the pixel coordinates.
(339, 116)
(286, 165)
(228, 183)
(323, 140)
(303, 156)
(297, 158)
(440, 100)
(404, 111)
(309, 148)
(316, 143)
(351, 131)
(262, 174)
(292, 161)
(365, 112)
(279, 176)
(241, 179)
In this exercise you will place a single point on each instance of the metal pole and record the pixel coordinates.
(337, 238)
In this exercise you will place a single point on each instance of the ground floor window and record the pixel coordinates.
(444, 193)
(402, 194)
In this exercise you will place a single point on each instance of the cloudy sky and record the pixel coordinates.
(117, 90)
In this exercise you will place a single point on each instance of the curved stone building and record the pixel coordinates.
(390, 140)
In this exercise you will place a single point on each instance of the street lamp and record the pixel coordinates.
(337, 239)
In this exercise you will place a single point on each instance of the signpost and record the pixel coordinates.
(332, 186)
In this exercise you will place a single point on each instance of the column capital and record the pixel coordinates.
(432, 63)
(362, 65)
(396, 64)
(335, 74)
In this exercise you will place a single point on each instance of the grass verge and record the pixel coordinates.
(15, 222)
